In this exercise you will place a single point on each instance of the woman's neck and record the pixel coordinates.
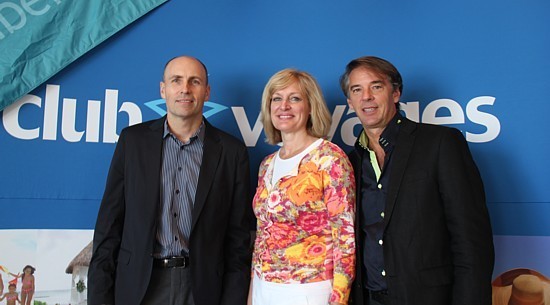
(295, 144)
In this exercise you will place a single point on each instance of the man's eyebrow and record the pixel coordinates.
(196, 77)
(374, 82)
(179, 77)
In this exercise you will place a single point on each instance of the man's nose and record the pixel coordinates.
(367, 95)
(184, 88)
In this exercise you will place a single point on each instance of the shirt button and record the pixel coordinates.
(383, 272)
(175, 214)
(380, 242)
(380, 186)
(382, 214)
(177, 191)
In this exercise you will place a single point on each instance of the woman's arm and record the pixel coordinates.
(340, 201)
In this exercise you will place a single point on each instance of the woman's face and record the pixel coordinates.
(290, 109)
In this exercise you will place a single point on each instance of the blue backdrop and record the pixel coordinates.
(480, 66)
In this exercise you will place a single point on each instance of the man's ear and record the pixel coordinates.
(207, 96)
(396, 96)
(162, 86)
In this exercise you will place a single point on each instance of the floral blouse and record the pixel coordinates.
(305, 222)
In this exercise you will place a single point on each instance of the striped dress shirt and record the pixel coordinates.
(178, 183)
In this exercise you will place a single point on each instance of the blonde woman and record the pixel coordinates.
(304, 252)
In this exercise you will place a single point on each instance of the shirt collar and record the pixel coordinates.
(199, 134)
(387, 138)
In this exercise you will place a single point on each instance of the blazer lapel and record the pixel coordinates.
(152, 163)
(212, 151)
(400, 158)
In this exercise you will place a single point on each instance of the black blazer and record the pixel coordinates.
(220, 255)
(437, 241)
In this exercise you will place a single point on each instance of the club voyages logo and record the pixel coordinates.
(211, 108)
(344, 122)
(68, 120)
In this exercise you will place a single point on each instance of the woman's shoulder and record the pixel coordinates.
(266, 162)
(328, 148)
(267, 159)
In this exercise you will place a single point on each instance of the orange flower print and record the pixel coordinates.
(311, 251)
(309, 167)
(340, 288)
(307, 186)
(280, 236)
(312, 222)
(349, 264)
(335, 202)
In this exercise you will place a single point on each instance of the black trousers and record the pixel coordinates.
(169, 286)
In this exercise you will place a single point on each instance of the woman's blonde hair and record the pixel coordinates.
(318, 124)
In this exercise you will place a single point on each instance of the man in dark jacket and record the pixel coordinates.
(173, 226)
(422, 226)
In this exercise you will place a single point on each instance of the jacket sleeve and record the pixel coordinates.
(237, 242)
(108, 232)
(467, 220)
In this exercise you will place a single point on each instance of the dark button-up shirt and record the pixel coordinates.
(374, 187)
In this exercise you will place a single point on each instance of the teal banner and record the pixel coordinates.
(39, 38)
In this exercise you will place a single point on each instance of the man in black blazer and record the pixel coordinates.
(153, 247)
(422, 228)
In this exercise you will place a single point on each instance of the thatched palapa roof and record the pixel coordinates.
(82, 259)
